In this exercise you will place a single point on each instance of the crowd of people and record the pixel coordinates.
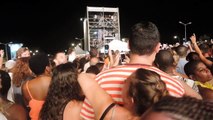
(151, 83)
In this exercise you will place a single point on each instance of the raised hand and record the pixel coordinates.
(193, 38)
(2, 53)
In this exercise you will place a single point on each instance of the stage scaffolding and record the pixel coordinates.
(101, 26)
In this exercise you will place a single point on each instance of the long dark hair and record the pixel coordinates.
(5, 83)
(63, 88)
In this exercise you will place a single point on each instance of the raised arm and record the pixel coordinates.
(197, 49)
(189, 91)
(98, 98)
(1, 58)
(114, 59)
(190, 47)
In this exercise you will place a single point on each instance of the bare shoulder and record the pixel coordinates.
(189, 91)
(72, 110)
(23, 87)
(120, 113)
(74, 103)
(25, 92)
(45, 81)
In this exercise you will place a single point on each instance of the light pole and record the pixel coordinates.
(85, 41)
(185, 24)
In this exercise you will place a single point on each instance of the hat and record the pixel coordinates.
(10, 64)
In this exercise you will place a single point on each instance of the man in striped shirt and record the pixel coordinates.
(144, 44)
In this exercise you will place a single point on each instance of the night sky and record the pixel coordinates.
(52, 26)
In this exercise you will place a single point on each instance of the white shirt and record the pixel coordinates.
(2, 117)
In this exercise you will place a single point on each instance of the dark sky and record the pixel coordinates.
(53, 25)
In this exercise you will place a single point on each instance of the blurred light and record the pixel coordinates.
(95, 33)
(95, 16)
(112, 17)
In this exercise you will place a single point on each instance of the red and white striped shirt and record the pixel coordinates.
(112, 81)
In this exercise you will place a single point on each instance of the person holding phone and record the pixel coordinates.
(106, 49)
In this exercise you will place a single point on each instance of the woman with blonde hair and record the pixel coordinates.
(20, 74)
(23, 52)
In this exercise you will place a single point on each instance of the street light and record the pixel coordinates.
(81, 40)
(176, 38)
(185, 24)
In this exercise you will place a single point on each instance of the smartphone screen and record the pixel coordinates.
(122, 57)
(106, 49)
